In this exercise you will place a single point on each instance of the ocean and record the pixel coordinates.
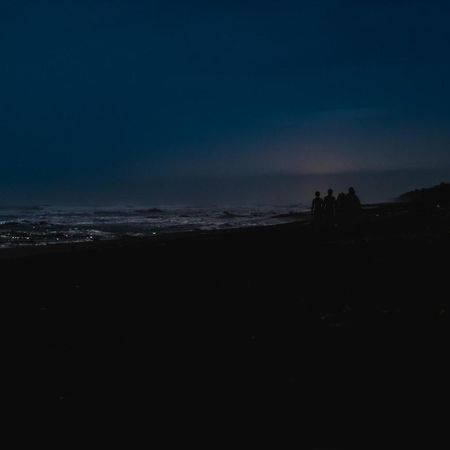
(45, 225)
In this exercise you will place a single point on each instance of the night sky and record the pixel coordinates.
(109, 101)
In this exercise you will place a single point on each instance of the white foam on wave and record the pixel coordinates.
(33, 226)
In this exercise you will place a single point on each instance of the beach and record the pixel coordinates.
(239, 326)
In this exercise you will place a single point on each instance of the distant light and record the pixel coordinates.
(153, 233)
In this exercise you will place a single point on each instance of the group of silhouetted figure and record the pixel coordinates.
(331, 210)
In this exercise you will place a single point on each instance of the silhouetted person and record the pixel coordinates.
(340, 204)
(317, 207)
(352, 203)
(329, 206)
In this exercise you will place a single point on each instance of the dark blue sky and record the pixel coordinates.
(128, 100)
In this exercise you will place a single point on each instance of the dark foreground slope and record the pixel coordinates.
(325, 331)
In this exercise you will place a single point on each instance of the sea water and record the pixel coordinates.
(44, 225)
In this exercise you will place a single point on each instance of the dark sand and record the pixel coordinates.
(325, 332)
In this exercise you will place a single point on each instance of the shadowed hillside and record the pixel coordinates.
(439, 195)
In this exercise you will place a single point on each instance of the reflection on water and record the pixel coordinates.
(35, 226)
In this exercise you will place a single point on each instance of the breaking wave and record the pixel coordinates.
(44, 225)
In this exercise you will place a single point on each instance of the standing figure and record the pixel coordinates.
(329, 207)
(317, 207)
(353, 204)
(340, 205)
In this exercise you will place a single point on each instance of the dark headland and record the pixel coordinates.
(239, 328)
